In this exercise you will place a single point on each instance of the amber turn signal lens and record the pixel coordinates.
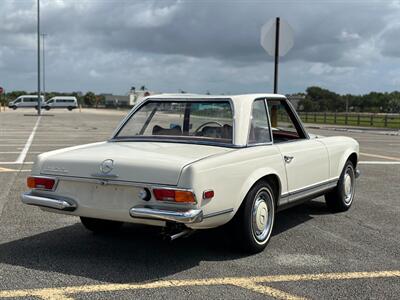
(184, 196)
(174, 195)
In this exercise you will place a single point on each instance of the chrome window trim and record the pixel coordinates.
(269, 124)
(294, 113)
(188, 99)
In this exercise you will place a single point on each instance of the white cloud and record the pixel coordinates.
(107, 46)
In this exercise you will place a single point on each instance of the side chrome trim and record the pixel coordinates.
(291, 198)
(218, 213)
(186, 217)
(60, 204)
(304, 193)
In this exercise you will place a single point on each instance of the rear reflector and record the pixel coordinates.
(41, 183)
(208, 194)
(174, 195)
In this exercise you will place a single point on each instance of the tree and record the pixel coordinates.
(89, 99)
(394, 105)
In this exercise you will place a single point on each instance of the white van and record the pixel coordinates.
(61, 102)
(26, 101)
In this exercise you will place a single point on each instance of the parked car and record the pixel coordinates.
(187, 162)
(68, 102)
(26, 101)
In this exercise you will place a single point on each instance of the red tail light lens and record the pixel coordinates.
(174, 195)
(41, 183)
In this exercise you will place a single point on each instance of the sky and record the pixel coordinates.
(200, 46)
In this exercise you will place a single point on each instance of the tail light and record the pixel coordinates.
(174, 195)
(43, 183)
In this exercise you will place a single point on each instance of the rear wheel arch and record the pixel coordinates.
(271, 178)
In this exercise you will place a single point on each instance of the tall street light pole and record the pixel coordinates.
(44, 66)
(39, 106)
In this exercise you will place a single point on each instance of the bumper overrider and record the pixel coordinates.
(140, 212)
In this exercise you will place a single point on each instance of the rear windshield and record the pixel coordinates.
(205, 121)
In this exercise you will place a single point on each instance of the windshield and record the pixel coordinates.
(181, 120)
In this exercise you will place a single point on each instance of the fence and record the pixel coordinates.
(352, 119)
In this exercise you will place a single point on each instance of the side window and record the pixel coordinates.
(284, 125)
(259, 126)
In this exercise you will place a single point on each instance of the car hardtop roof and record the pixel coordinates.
(194, 97)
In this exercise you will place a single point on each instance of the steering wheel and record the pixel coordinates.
(207, 123)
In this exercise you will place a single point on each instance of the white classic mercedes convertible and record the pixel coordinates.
(187, 162)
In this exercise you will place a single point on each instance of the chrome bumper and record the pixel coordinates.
(186, 217)
(60, 204)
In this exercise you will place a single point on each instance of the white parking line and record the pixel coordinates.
(380, 156)
(18, 152)
(371, 162)
(24, 151)
(16, 163)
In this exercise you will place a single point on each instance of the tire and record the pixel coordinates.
(47, 108)
(14, 107)
(255, 219)
(69, 108)
(341, 197)
(100, 226)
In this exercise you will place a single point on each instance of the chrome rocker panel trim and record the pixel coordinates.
(60, 204)
(186, 217)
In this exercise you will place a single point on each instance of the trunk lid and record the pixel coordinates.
(143, 162)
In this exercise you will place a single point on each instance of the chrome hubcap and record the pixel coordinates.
(348, 185)
(262, 215)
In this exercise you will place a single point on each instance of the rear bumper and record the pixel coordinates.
(60, 204)
(141, 212)
(187, 217)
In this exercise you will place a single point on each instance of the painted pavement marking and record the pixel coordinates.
(28, 144)
(371, 162)
(254, 284)
(380, 156)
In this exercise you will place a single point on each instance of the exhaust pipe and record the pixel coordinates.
(173, 236)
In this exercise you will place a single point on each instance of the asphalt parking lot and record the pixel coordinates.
(313, 254)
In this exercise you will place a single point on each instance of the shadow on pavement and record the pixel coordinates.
(136, 253)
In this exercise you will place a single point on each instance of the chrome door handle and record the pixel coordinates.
(288, 159)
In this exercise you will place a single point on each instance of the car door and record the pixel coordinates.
(306, 160)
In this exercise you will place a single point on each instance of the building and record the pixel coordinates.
(129, 100)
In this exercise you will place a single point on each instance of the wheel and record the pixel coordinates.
(99, 225)
(14, 107)
(47, 107)
(255, 218)
(69, 108)
(341, 197)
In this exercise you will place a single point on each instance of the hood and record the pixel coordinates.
(144, 162)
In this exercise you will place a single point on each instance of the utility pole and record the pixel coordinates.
(44, 66)
(39, 106)
(276, 56)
